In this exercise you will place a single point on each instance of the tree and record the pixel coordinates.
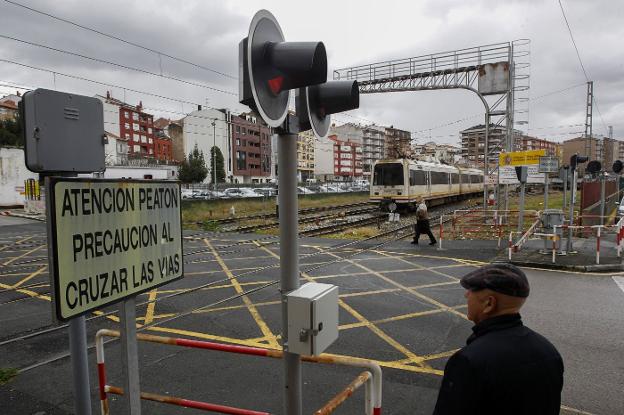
(11, 133)
(193, 169)
(217, 156)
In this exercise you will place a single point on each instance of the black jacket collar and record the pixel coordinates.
(494, 324)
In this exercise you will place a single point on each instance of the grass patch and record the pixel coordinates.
(7, 374)
(205, 211)
(536, 202)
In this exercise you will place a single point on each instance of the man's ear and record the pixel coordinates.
(490, 304)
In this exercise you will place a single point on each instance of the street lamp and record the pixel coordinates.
(214, 155)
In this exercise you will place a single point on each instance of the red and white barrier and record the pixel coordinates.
(372, 378)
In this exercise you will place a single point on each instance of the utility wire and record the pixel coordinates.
(119, 65)
(128, 42)
(81, 78)
(578, 54)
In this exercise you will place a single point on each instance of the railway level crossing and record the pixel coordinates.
(399, 306)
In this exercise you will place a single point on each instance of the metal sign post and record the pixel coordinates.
(603, 179)
(130, 356)
(521, 207)
(572, 201)
(289, 261)
(522, 176)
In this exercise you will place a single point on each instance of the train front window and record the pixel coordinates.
(388, 175)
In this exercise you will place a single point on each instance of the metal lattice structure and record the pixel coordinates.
(506, 104)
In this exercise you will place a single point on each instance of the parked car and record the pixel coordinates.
(240, 192)
(304, 190)
(189, 193)
(265, 191)
(329, 189)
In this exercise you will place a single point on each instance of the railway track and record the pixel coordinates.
(308, 219)
(400, 231)
(270, 215)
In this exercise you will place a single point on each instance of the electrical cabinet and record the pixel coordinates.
(312, 318)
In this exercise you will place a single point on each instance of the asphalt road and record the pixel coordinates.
(400, 305)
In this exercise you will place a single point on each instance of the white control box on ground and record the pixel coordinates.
(312, 318)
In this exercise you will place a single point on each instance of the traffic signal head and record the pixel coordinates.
(316, 103)
(576, 159)
(274, 67)
(617, 166)
(593, 167)
(522, 173)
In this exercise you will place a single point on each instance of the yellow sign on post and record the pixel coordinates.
(520, 158)
(111, 239)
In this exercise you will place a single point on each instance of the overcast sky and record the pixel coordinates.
(207, 33)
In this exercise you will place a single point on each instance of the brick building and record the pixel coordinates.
(526, 143)
(398, 143)
(130, 123)
(251, 149)
(347, 159)
(163, 145)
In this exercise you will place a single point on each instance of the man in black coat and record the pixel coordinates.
(505, 368)
(422, 224)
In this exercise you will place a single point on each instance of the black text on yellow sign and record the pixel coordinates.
(112, 239)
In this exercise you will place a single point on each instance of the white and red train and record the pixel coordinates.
(406, 182)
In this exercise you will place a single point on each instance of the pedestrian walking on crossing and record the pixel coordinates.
(505, 367)
(422, 224)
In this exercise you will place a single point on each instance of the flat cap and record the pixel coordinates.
(502, 278)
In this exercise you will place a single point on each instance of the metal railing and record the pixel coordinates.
(372, 377)
(452, 62)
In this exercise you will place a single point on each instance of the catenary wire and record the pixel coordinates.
(128, 42)
(119, 65)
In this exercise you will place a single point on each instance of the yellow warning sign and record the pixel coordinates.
(112, 239)
(520, 158)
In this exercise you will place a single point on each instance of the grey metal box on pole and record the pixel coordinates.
(63, 132)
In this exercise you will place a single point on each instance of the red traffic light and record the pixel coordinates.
(316, 103)
(273, 67)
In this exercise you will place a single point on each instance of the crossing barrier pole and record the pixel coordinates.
(510, 244)
(554, 248)
(598, 245)
(373, 392)
(441, 231)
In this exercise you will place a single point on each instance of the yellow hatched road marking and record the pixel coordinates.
(27, 292)
(380, 333)
(149, 311)
(31, 276)
(18, 242)
(252, 309)
(419, 267)
(214, 287)
(24, 254)
(407, 289)
(235, 307)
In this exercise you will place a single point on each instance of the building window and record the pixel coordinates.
(241, 160)
(135, 116)
(244, 131)
(238, 128)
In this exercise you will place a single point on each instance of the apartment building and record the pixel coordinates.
(473, 143)
(305, 155)
(373, 147)
(398, 143)
(130, 123)
(347, 159)
(251, 149)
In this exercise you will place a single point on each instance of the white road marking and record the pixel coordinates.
(620, 282)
